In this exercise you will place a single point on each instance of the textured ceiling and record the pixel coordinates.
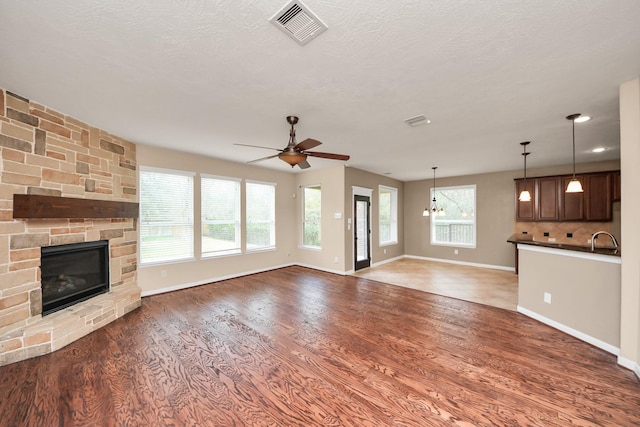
(199, 76)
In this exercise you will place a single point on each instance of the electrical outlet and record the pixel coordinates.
(546, 234)
(384, 251)
(335, 260)
(569, 235)
(547, 297)
(455, 252)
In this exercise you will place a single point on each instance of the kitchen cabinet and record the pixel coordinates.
(525, 211)
(547, 198)
(550, 202)
(616, 186)
(598, 197)
(571, 204)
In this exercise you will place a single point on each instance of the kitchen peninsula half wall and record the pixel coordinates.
(576, 292)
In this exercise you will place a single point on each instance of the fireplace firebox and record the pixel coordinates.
(73, 273)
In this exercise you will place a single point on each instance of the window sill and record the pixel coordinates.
(258, 250)
(454, 245)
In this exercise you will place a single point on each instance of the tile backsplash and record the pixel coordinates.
(581, 231)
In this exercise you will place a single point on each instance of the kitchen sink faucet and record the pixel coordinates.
(595, 236)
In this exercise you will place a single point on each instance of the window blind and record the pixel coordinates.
(166, 215)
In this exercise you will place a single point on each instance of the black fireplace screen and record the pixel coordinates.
(73, 273)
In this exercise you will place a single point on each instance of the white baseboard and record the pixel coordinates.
(386, 261)
(327, 270)
(470, 264)
(629, 364)
(377, 264)
(210, 280)
(573, 332)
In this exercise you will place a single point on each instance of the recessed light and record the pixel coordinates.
(582, 119)
(598, 150)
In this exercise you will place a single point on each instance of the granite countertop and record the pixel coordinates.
(525, 240)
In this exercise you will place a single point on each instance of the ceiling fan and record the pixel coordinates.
(296, 154)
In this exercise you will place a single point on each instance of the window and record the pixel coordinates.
(311, 221)
(457, 227)
(220, 207)
(166, 215)
(261, 214)
(388, 218)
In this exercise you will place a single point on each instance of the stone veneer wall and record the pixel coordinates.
(48, 153)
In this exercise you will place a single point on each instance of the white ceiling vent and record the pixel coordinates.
(417, 120)
(298, 22)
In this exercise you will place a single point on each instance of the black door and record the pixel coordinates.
(361, 232)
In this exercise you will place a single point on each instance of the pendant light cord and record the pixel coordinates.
(525, 154)
(573, 126)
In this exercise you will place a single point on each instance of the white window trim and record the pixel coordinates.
(246, 222)
(220, 177)
(253, 181)
(475, 219)
(143, 168)
(228, 252)
(302, 245)
(393, 191)
(166, 171)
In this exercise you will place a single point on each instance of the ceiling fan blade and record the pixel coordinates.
(304, 164)
(258, 146)
(307, 144)
(327, 155)
(264, 158)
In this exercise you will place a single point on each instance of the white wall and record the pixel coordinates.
(630, 161)
(331, 256)
(158, 278)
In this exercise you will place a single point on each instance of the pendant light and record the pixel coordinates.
(574, 185)
(433, 209)
(525, 196)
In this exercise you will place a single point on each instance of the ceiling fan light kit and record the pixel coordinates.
(296, 154)
(292, 157)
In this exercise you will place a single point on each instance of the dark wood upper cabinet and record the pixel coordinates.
(616, 186)
(548, 200)
(525, 211)
(571, 204)
(599, 197)
(551, 202)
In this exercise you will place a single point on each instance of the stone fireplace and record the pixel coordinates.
(46, 154)
(70, 274)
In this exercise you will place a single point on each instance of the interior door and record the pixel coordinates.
(361, 232)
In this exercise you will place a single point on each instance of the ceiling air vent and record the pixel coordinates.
(298, 22)
(417, 120)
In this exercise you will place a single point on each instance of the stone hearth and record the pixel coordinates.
(44, 152)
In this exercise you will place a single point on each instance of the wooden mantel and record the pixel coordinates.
(36, 206)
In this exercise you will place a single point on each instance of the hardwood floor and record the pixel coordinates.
(299, 347)
(497, 288)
